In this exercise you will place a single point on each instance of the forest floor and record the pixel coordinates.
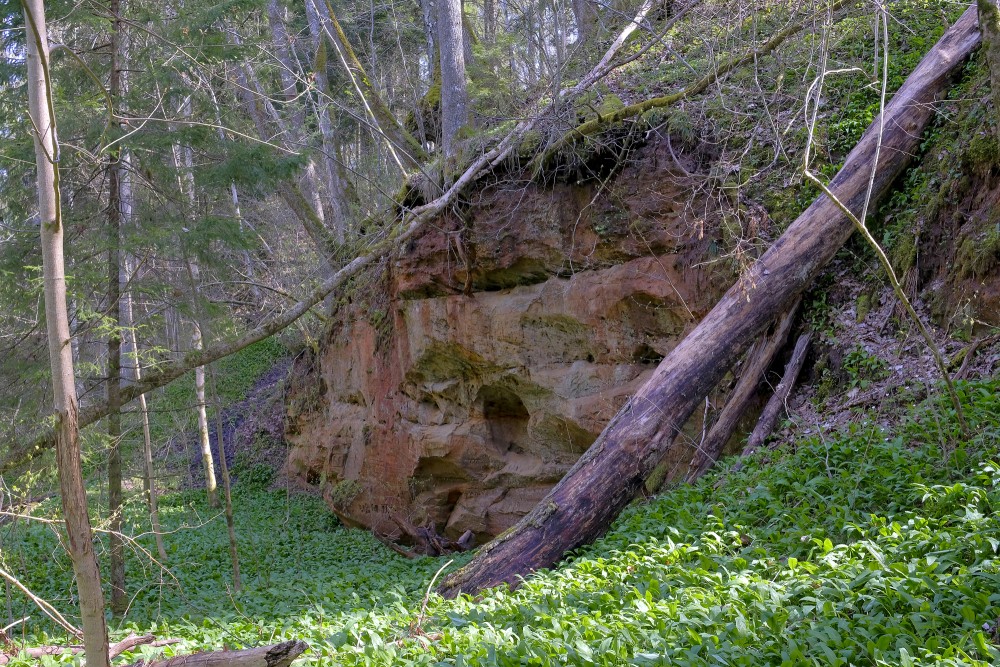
(870, 544)
(869, 363)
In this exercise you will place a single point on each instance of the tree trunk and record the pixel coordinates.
(607, 477)
(529, 18)
(204, 441)
(282, 51)
(454, 97)
(308, 184)
(989, 25)
(119, 600)
(131, 342)
(489, 21)
(278, 655)
(340, 190)
(226, 487)
(399, 139)
(74, 496)
(558, 36)
(585, 12)
(429, 12)
(760, 358)
(469, 38)
(775, 406)
(184, 164)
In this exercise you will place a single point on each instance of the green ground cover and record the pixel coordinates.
(865, 547)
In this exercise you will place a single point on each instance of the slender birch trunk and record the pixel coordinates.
(74, 496)
(184, 163)
(199, 388)
(226, 486)
(133, 370)
(131, 349)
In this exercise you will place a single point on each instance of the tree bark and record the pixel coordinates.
(226, 486)
(278, 655)
(775, 406)
(489, 21)
(119, 600)
(282, 51)
(67, 434)
(722, 430)
(585, 12)
(989, 25)
(184, 164)
(132, 352)
(343, 197)
(607, 477)
(204, 441)
(454, 96)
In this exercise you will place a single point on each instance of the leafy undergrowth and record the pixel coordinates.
(866, 547)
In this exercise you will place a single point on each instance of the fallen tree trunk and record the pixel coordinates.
(115, 650)
(775, 406)
(608, 476)
(277, 655)
(722, 430)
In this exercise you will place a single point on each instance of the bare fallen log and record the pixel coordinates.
(609, 475)
(968, 354)
(761, 357)
(115, 650)
(775, 406)
(277, 655)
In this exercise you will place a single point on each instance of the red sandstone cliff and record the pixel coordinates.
(463, 381)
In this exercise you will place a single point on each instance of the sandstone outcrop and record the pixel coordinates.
(463, 381)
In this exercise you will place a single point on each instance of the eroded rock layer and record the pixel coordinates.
(491, 352)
